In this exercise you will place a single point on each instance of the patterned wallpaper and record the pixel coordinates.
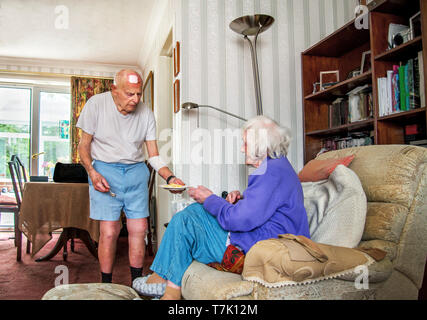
(217, 71)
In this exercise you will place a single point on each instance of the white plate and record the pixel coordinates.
(165, 186)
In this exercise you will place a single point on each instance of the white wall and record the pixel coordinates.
(216, 70)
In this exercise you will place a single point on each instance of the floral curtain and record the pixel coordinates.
(81, 90)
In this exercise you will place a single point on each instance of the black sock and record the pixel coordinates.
(135, 273)
(107, 277)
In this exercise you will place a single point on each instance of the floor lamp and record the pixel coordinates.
(191, 106)
(253, 26)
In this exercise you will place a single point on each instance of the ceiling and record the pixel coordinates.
(101, 31)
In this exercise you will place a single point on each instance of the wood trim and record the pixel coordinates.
(176, 96)
(176, 59)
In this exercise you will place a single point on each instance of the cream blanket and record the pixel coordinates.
(336, 208)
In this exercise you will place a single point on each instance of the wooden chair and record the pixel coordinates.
(151, 208)
(10, 205)
(19, 178)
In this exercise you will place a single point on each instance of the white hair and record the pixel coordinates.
(265, 137)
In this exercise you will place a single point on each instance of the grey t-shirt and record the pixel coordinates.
(116, 137)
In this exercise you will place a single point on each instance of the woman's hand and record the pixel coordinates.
(233, 197)
(199, 194)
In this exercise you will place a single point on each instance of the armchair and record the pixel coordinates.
(394, 178)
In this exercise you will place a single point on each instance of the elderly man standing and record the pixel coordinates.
(115, 125)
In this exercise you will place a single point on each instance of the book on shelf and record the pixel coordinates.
(360, 103)
(355, 139)
(421, 77)
(338, 113)
(403, 87)
(419, 143)
(414, 132)
(413, 91)
(395, 92)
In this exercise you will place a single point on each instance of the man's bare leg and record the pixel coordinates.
(109, 233)
(137, 230)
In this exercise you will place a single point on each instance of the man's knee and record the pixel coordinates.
(109, 231)
(137, 227)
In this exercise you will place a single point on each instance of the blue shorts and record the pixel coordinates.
(130, 184)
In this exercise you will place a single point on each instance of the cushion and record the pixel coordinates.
(291, 260)
(389, 173)
(4, 199)
(202, 282)
(316, 170)
(384, 221)
(91, 291)
(232, 261)
(336, 208)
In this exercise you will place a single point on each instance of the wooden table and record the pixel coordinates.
(49, 206)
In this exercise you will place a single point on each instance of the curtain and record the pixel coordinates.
(81, 90)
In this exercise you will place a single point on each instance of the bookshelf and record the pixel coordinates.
(342, 51)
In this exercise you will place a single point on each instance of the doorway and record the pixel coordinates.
(164, 131)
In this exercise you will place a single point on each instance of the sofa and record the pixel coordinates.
(394, 179)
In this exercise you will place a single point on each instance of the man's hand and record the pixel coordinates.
(99, 182)
(233, 197)
(199, 194)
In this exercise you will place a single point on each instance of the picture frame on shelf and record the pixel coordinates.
(316, 87)
(354, 73)
(415, 25)
(148, 91)
(365, 64)
(328, 79)
(176, 96)
(176, 59)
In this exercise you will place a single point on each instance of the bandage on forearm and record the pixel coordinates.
(157, 163)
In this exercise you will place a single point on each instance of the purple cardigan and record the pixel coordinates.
(272, 204)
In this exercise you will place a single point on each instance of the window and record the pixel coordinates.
(15, 111)
(35, 125)
(54, 138)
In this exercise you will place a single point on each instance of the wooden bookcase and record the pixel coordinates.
(342, 51)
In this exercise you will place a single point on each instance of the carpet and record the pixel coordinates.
(30, 280)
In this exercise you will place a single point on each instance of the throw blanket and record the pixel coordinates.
(336, 208)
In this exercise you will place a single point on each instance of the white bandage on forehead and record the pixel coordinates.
(157, 163)
(132, 78)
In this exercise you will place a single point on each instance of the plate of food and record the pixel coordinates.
(173, 186)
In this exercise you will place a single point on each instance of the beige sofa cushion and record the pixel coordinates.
(389, 173)
(203, 282)
(91, 291)
(384, 221)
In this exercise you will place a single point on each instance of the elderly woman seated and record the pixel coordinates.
(272, 204)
